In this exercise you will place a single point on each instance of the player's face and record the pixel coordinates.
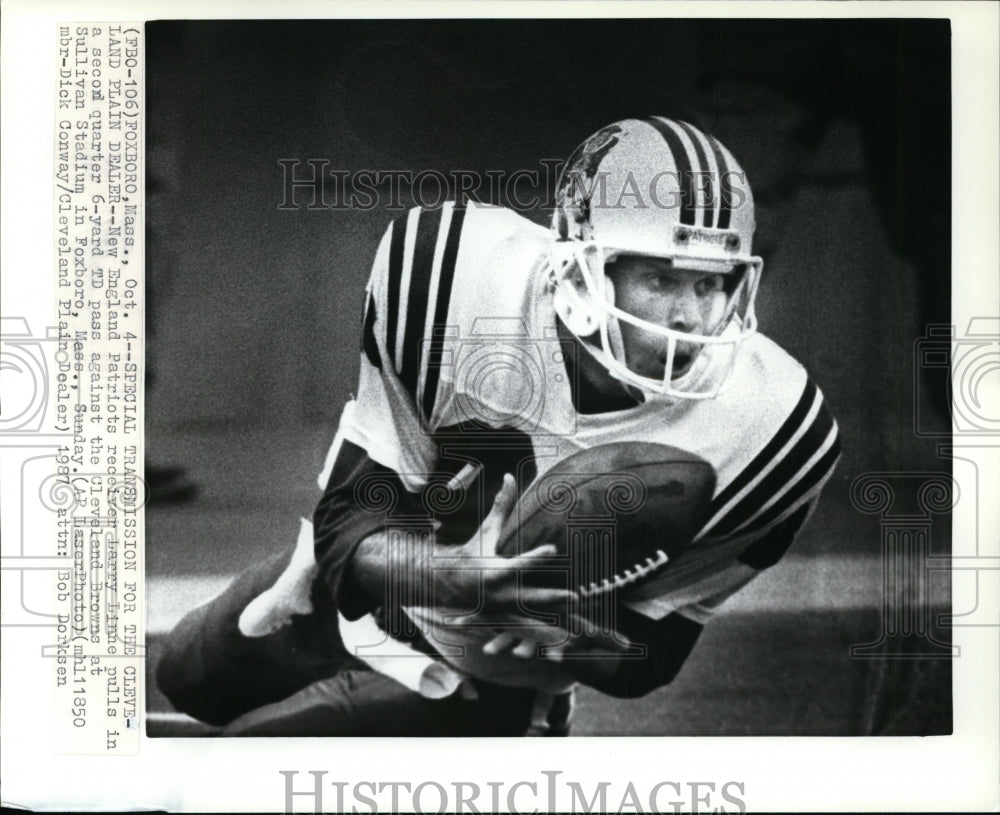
(656, 291)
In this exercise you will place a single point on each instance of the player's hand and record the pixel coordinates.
(474, 578)
(525, 639)
(591, 658)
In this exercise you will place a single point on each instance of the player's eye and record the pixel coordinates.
(710, 284)
(661, 281)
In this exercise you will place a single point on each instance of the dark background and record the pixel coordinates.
(254, 311)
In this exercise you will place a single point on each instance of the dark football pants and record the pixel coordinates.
(300, 681)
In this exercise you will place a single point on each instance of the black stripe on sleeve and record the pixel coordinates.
(764, 553)
(725, 198)
(448, 264)
(368, 343)
(785, 432)
(683, 168)
(428, 224)
(818, 472)
(395, 278)
(804, 449)
(706, 218)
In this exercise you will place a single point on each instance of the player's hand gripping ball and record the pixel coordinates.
(616, 513)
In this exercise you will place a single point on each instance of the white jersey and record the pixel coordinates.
(460, 333)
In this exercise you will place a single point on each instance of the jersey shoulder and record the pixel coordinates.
(774, 444)
(444, 276)
(765, 364)
(767, 389)
(788, 448)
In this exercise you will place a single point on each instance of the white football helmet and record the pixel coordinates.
(657, 188)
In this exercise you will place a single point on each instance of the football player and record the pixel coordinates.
(492, 349)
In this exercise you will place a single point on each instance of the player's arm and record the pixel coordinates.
(766, 507)
(386, 447)
(663, 645)
(667, 626)
(427, 572)
(382, 433)
(639, 656)
(669, 641)
(606, 665)
(341, 523)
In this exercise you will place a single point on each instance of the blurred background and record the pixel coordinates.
(253, 310)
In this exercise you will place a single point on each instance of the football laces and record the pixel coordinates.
(627, 577)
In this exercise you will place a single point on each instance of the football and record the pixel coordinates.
(616, 513)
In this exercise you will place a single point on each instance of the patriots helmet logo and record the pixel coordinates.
(576, 185)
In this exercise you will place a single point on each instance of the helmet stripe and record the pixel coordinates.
(725, 207)
(695, 136)
(677, 149)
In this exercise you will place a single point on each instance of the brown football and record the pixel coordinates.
(617, 514)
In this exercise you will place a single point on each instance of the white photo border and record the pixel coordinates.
(780, 774)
